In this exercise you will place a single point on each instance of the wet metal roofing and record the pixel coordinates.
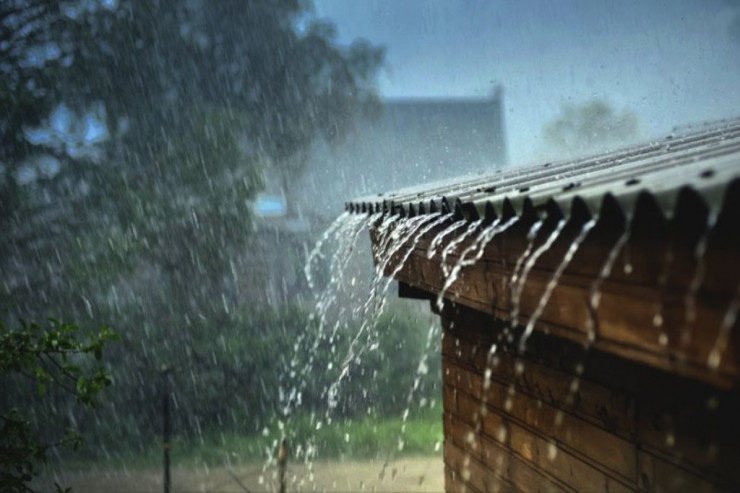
(705, 163)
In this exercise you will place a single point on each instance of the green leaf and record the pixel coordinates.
(82, 384)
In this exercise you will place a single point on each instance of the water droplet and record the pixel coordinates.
(670, 440)
(501, 433)
(663, 339)
(715, 358)
(552, 451)
(508, 404)
(574, 385)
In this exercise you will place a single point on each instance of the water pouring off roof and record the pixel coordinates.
(619, 270)
(654, 175)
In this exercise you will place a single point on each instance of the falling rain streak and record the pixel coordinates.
(552, 284)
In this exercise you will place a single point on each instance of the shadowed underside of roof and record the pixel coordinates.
(696, 170)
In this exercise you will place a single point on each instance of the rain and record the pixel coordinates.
(243, 242)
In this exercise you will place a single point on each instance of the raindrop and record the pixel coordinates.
(723, 336)
(501, 434)
(670, 440)
(663, 339)
(695, 284)
(508, 404)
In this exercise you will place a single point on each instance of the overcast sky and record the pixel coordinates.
(672, 62)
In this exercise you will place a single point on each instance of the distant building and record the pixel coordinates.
(412, 141)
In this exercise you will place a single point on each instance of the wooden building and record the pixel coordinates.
(590, 338)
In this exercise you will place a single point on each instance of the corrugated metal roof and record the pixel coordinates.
(704, 163)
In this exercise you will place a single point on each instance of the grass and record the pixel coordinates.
(367, 438)
(349, 439)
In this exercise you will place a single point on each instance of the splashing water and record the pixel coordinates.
(407, 232)
(343, 233)
(437, 241)
(529, 264)
(662, 284)
(452, 245)
(723, 336)
(545, 297)
(531, 236)
(421, 370)
(695, 284)
(594, 295)
(395, 239)
(315, 254)
(477, 248)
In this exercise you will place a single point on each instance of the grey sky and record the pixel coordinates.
(673, 62)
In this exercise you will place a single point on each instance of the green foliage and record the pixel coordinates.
(52, 357)
(369, 436)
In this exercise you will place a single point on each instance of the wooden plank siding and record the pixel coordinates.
(657, 282)
(562, 418)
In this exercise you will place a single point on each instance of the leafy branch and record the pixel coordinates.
(54, 356)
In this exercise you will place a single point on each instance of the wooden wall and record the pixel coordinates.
(564, 418)
(656, 273)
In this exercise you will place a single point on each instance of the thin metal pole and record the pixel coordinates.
(282, 463)
(166, 427)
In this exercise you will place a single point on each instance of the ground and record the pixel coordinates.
(408, 474)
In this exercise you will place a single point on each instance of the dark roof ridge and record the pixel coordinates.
(705, 161)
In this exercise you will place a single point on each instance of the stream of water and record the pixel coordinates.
(395, 241)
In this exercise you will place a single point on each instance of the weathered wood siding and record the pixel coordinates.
(564, 418)
(656, 273)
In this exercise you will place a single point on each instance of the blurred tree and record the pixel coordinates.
(199, 99)
(191, 103)
(593, 126)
